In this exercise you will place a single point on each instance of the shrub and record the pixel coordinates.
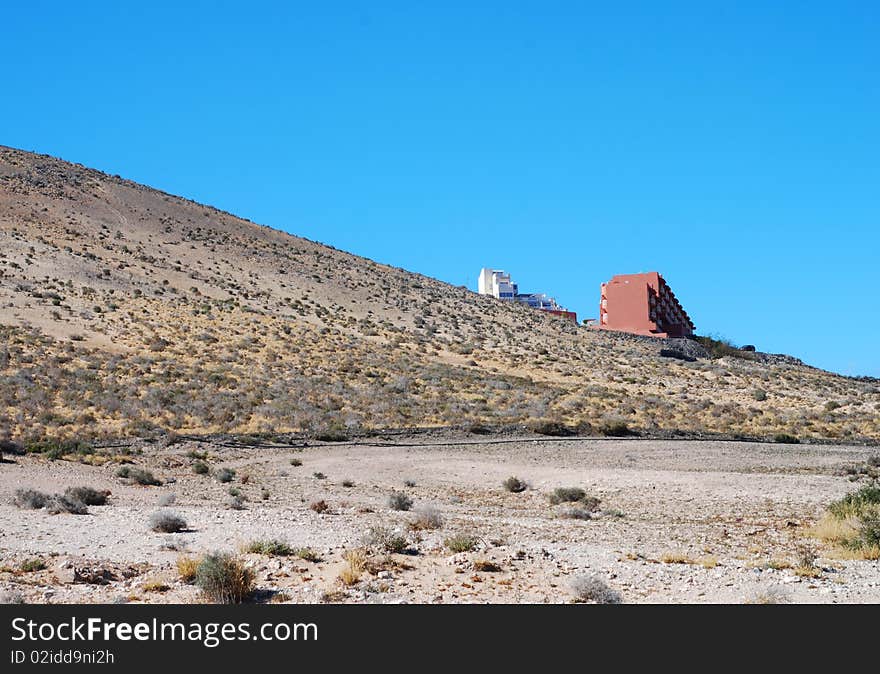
(461, 543)
(200, 468)
(399, 501)
(187, 568)
(427, 517)
(567, 495)
(59, 503)
(31, 565)
(236, 502)
(486, 566)
(721, 348)
(30, 499)
(223, 579)
(318, 475)
(409, 483)
(348, 483)
(575, 514)
(295, 462)
(856, 503)
(320, 506)
(356, 561)
(591, 588)
(167, 522)
(514, 485)
(87, 495)
(272, 548)
(759, 394)
(138, 476)
(785, 439)
(224, 475)
(307, 554)
(868, 532)
(386, 540)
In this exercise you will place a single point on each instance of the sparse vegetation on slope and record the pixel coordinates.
(130, 312)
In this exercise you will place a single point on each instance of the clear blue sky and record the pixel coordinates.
(734, 147)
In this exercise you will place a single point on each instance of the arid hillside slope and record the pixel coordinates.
(125, 311)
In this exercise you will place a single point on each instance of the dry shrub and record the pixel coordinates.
(223, 579)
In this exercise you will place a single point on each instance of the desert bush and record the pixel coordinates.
(167, 522)
(720, 348)
(461, 543)
(59, 503)
(867, 532)
(236, 502)
(296, 462)
(409, 483)
(591, 588)
(426, 517)
(187, 568)
(348, 483)
(785, 439)
(514, 485)
(31, 565)
(857, 503)
(272, 548)
(307, 554)
(399, 501)
(138, 476)
(575, 513)
(320, 506)
(356, 561)
(567, 495)
(385, 539)
(200, 468)
(759, 394)
(318, 475)
(223, 579)
(486, 566)
(87, 495)
(30, 499)
(224, 475)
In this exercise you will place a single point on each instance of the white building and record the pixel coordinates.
(496, 283)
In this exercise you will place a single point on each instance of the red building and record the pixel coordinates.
(643, 304)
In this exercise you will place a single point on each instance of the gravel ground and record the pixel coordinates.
(733, 514)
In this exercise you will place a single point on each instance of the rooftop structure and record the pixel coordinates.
(643, 304)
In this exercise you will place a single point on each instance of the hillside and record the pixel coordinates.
(130, 312)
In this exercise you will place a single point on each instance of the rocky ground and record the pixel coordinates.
(679, 521)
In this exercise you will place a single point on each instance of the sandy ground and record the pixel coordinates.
(734, 510)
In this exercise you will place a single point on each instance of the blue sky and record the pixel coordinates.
(733, 147)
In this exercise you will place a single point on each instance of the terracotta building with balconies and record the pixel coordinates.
(643, 304)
